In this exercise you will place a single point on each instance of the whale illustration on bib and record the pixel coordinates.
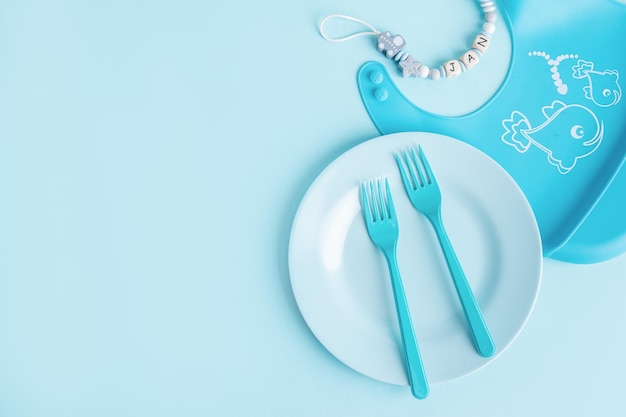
(568, 133)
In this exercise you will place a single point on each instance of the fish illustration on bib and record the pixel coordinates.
(603, 87)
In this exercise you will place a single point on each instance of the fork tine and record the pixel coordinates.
(391, 211)
(409, 177)
(429, 172)
(405, 179)
(384, 203)
(418, 165)
(365, 204)
(414, 175)
(375, 202)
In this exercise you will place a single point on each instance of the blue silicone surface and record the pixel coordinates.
(556, 125)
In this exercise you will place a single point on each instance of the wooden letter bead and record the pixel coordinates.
(469, 59)
(452, 68)
(481, 43)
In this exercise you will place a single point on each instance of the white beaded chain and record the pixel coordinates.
(393, 46)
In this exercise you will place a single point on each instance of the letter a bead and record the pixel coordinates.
(469, 59)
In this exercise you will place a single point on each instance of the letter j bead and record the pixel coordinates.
(452, 68)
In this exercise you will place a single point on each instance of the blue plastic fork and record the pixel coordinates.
(425, 195)
(382, 227)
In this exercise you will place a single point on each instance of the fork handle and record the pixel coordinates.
(412, 356)
(480, 333)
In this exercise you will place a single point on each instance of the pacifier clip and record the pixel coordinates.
(392, 46)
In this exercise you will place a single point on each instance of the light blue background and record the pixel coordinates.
(152, 157)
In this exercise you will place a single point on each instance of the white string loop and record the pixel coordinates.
(373, 31)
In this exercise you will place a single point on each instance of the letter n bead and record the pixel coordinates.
(469, 59)
(481, 43)
(452, 68)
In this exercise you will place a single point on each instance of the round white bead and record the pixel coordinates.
(491, 17)
(486, 3)
(435, 74)
(489, 9)
(489, 27)
(423, 71)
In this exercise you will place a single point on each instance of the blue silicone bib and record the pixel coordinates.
(557, 125)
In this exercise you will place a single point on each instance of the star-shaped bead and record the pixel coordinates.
(409, 66)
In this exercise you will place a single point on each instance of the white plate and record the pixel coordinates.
(340, 279)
